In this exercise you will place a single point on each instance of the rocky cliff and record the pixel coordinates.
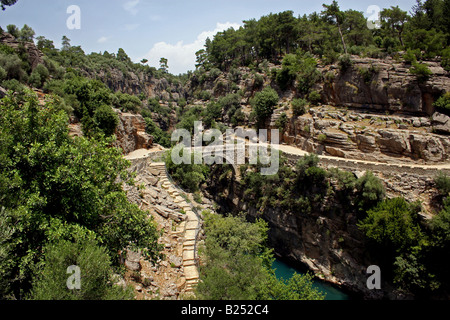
(131, 133)
(357, 134)
(35, 56)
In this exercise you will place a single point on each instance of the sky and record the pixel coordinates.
(152, 29)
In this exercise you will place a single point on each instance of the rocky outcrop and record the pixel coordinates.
(370, 136)
(385, 85)
(441, 123)
(35, 56)
(131, 133)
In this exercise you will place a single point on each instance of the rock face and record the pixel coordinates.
(441, 123)
(35, 56)
(384, 85)
(371, 136)
(131, 133)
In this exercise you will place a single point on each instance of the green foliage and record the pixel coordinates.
(445, 62)
(264, 103)
(301, 67)
(57, 187)
(95, 271)
(345, 62)
(443, 103)
(39, 75)
(281, 122)
(106, 119)
(159, 136)
(189, 176)
(442, 182)
(299, 107)
(322, 138)
(421, 71)
(2, 74)
(393, 223)
(126, 102)
(369, 191)
(12, 64)
(314, 97)
(234, 250)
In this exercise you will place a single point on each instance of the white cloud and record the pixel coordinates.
(181, 56)
(103, 39)
(130, 6)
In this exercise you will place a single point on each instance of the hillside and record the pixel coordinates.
(364, 121)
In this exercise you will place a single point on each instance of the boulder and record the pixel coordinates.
(132, 261)
(441, 122)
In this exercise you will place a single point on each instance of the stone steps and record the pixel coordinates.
(189, 227)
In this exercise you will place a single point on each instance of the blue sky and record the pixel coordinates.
(151, 29)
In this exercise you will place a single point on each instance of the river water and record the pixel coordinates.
(282, 270)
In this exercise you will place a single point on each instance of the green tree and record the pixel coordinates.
(334, 13)
(393, 22)
(164, 66)
(5, 3)
(13, 30)
(70, 185)
(65, 43)
(236, 249)
(264, 103)
(369, 191)
(394, 224)
(94, 264)
(27, 34)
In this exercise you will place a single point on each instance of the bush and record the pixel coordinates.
(264, 103)
(322, 138)
(13, 66)
(95, 272)
(410, 56)
(3, 74)
(443, 103)
(445, 63)
(369, 191)
(314, 97)
(39, 75)
(442, 182)
(345, 62)
(299, 107)
(106, 119)
(421, 71)
(393, 223)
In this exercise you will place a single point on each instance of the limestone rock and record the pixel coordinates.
(441, 122)
(131, 133)
(132, 261)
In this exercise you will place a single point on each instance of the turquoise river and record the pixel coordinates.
(282, 270)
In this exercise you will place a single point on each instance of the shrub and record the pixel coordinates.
(263, 104)
(445, 63)
(322, 138)
(2, 74)
(442, 182)
(345, 62)
(39, 75)
(410, 56)
(314, 97)
(443, 103)
(106, 119)
(421, 71)
(95, 269)
(299, 107)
